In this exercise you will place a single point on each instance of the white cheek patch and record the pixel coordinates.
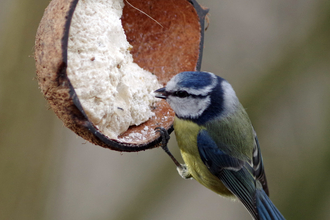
(230, 100)
(189, 106)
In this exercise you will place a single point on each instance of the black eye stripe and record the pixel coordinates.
(183, 94)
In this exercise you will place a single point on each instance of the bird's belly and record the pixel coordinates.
(201, 173)
(186, 135)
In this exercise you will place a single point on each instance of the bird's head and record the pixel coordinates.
(199, 96)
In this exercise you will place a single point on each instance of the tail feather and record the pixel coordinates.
(266, 209)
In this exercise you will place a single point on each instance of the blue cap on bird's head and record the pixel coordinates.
(195, 83)
(195, 80)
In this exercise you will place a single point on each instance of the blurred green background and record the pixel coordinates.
(276, 54)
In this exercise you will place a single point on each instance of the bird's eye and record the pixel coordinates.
(181, 94)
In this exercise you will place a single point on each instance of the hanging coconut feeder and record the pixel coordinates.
(99, 61)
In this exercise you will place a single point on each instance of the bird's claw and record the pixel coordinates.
(184, 172)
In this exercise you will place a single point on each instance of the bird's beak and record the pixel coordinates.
(162, 94)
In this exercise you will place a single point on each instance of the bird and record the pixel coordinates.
(217, 141)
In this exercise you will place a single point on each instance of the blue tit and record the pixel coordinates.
(217, 141)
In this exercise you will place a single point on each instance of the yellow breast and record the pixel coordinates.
(186, 134)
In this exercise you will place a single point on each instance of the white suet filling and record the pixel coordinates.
(114, 92)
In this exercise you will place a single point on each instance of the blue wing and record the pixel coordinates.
(246, 181)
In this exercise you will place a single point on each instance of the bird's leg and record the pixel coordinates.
(181, 168)
(165, 138)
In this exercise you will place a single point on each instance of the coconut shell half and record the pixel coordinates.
(165, 50)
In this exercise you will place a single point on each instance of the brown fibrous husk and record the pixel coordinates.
(164, 50)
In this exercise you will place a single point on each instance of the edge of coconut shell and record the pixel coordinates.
(51, 63)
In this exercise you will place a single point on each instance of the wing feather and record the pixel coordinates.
(258, 165)
(234, 173)
(245, 179)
